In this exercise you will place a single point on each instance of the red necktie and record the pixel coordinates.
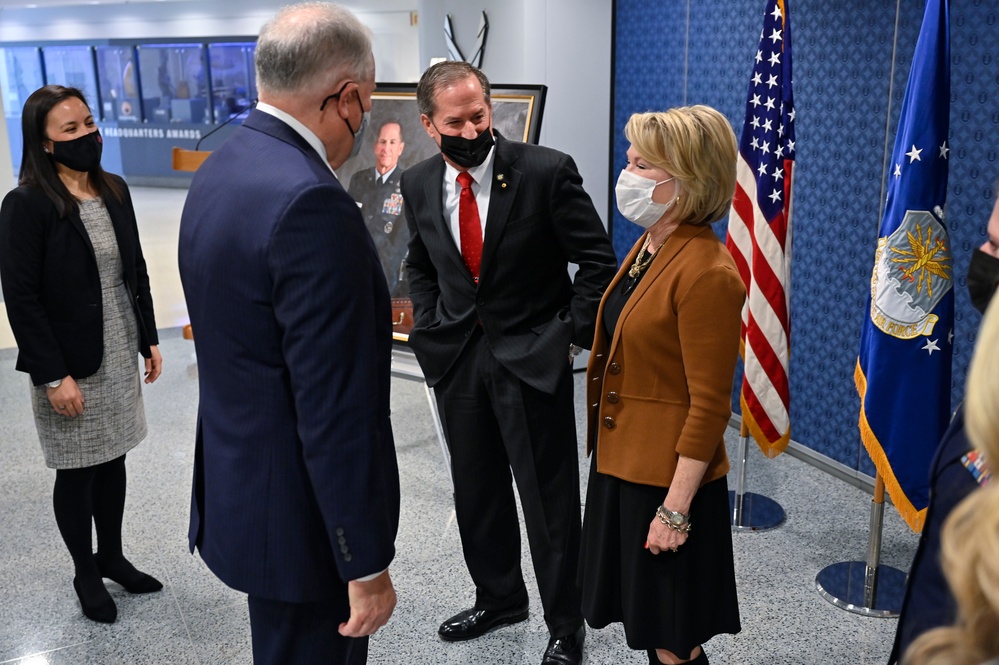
(469, 226)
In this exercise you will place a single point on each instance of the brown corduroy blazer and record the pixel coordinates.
(661, 387)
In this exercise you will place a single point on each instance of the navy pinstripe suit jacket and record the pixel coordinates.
(296, 487)
(539, 221)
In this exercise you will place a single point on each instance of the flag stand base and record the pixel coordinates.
(758, 513)
(864, 587)
(845, 585)
(751, 512)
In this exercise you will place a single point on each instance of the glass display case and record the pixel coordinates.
(118, 83)
(20, 76)
(233, 78)
(174, 83)
(73, 66)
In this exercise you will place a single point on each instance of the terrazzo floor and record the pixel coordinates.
(197, 620)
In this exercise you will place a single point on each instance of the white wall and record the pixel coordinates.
(564, 44)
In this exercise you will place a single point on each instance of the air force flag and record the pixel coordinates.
(903, 369)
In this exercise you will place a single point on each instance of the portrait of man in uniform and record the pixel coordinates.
(376, 191)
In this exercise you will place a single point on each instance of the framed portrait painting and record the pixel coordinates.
(395, 140)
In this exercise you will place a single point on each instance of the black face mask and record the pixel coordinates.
(79, 154)
(468, 153)
(983, 277)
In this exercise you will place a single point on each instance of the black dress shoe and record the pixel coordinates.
(474, 623)
(565, 650)
(95, 600)
(124, 573)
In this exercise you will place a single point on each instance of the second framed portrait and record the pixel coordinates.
(394, 141)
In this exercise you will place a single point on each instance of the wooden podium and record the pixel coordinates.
(189, 160)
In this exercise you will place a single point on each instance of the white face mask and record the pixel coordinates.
(634, 199)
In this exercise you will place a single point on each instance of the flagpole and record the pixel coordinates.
(750, 512)
(865, 587)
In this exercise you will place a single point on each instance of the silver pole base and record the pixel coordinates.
(844, 585)
(756, 512)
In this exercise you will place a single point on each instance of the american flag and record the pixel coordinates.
(759, 234)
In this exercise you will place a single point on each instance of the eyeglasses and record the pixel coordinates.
(336, 95)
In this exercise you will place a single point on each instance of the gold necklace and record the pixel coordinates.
(642, 262)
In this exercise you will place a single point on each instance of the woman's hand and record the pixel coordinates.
(682, 489)
(67, 400)
(661, 538)
(154, 364)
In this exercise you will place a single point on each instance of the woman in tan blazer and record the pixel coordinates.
(657, 545)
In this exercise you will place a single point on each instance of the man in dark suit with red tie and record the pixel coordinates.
(495, 225)
(296, 485)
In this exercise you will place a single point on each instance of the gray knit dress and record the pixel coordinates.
(113, 420)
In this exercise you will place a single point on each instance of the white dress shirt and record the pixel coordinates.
(300, 129)
(483, 173)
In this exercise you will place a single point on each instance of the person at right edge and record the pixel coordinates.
(659, 388)
(494, 225)
(957, 469)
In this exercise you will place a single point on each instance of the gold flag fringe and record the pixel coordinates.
(770, 448)
(914, 518)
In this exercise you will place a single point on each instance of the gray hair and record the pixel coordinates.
(441, 76)
(311, 46)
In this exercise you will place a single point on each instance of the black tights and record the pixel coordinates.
(91, 494)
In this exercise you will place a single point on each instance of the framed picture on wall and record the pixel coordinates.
(395, 140)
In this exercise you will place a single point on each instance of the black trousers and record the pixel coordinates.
(495, 423)
(302, 634)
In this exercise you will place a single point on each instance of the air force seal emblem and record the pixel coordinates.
(912, 273)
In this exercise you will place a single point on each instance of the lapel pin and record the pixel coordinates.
(500, 177)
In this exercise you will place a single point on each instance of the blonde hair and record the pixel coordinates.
(970, 541)
(981, 409)
(696, 145)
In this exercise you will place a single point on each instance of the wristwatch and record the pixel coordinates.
(54, 384)
(673, 518)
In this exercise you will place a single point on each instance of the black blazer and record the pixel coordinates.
(539, 221)
(52, 288)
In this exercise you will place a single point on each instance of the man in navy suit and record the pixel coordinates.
(496, 318)
(296, 486)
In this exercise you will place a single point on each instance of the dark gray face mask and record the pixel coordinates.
(80, 154)
(983, 277)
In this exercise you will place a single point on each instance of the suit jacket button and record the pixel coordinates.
(347, 558)
(344, 548)
(339, 531)
(468, 333)
(614, 368)
(613, 397)
(609, 423)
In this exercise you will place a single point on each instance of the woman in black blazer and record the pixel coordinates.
(78, 301)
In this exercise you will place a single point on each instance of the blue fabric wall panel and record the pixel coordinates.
(842, 74)
(974, 167)
(649, 54)
(843, 56)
